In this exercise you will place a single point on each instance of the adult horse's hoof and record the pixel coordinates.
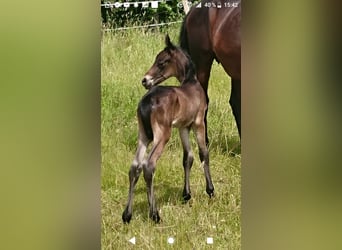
(126, 217)
(155, 217)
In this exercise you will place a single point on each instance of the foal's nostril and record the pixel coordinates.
(145, 83)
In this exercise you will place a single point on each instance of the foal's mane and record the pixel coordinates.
(189, 66)
(189, 70)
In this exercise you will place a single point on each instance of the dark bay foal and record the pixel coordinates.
(162, 108)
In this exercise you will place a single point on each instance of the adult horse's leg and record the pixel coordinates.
(134, 174)
(203, 74)
(195, 39)
(204, 155)
(235, 102)
(149, 168)
(187, 161)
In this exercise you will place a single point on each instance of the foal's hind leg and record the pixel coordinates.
(159, 141)
(199, 128)
(187, 161)
(134, 174)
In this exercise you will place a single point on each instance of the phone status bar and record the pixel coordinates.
(208, 4)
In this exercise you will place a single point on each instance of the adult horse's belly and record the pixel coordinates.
(226, 41)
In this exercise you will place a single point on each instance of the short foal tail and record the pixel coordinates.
(144, 114)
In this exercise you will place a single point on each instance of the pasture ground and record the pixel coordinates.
(126, 56)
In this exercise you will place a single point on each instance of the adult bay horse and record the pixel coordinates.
(210, 33)
(162, 108)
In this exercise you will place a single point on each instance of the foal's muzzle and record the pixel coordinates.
(147, 82)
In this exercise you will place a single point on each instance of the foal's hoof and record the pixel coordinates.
(155, 217)
(186, 197)
(210, 192)
(126, 217)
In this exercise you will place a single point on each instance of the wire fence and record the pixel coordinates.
(142, 26)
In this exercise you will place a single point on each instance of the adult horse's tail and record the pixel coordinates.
(183, 37)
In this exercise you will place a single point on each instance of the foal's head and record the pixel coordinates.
(172, 61)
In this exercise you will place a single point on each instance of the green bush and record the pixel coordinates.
(120, 17)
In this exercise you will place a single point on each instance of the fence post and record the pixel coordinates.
(185, 6)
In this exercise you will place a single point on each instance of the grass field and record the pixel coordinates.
(126, 56)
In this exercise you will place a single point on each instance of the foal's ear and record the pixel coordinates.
(168, 42)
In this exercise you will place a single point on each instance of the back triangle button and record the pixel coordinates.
(132, 240)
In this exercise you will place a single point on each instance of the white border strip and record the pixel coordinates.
(135, 4)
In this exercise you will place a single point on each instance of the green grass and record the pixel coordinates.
(126, 56)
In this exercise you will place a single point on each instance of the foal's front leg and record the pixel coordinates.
(204, 156)
(187, 161)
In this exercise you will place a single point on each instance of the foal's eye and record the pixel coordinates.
(162, 64)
